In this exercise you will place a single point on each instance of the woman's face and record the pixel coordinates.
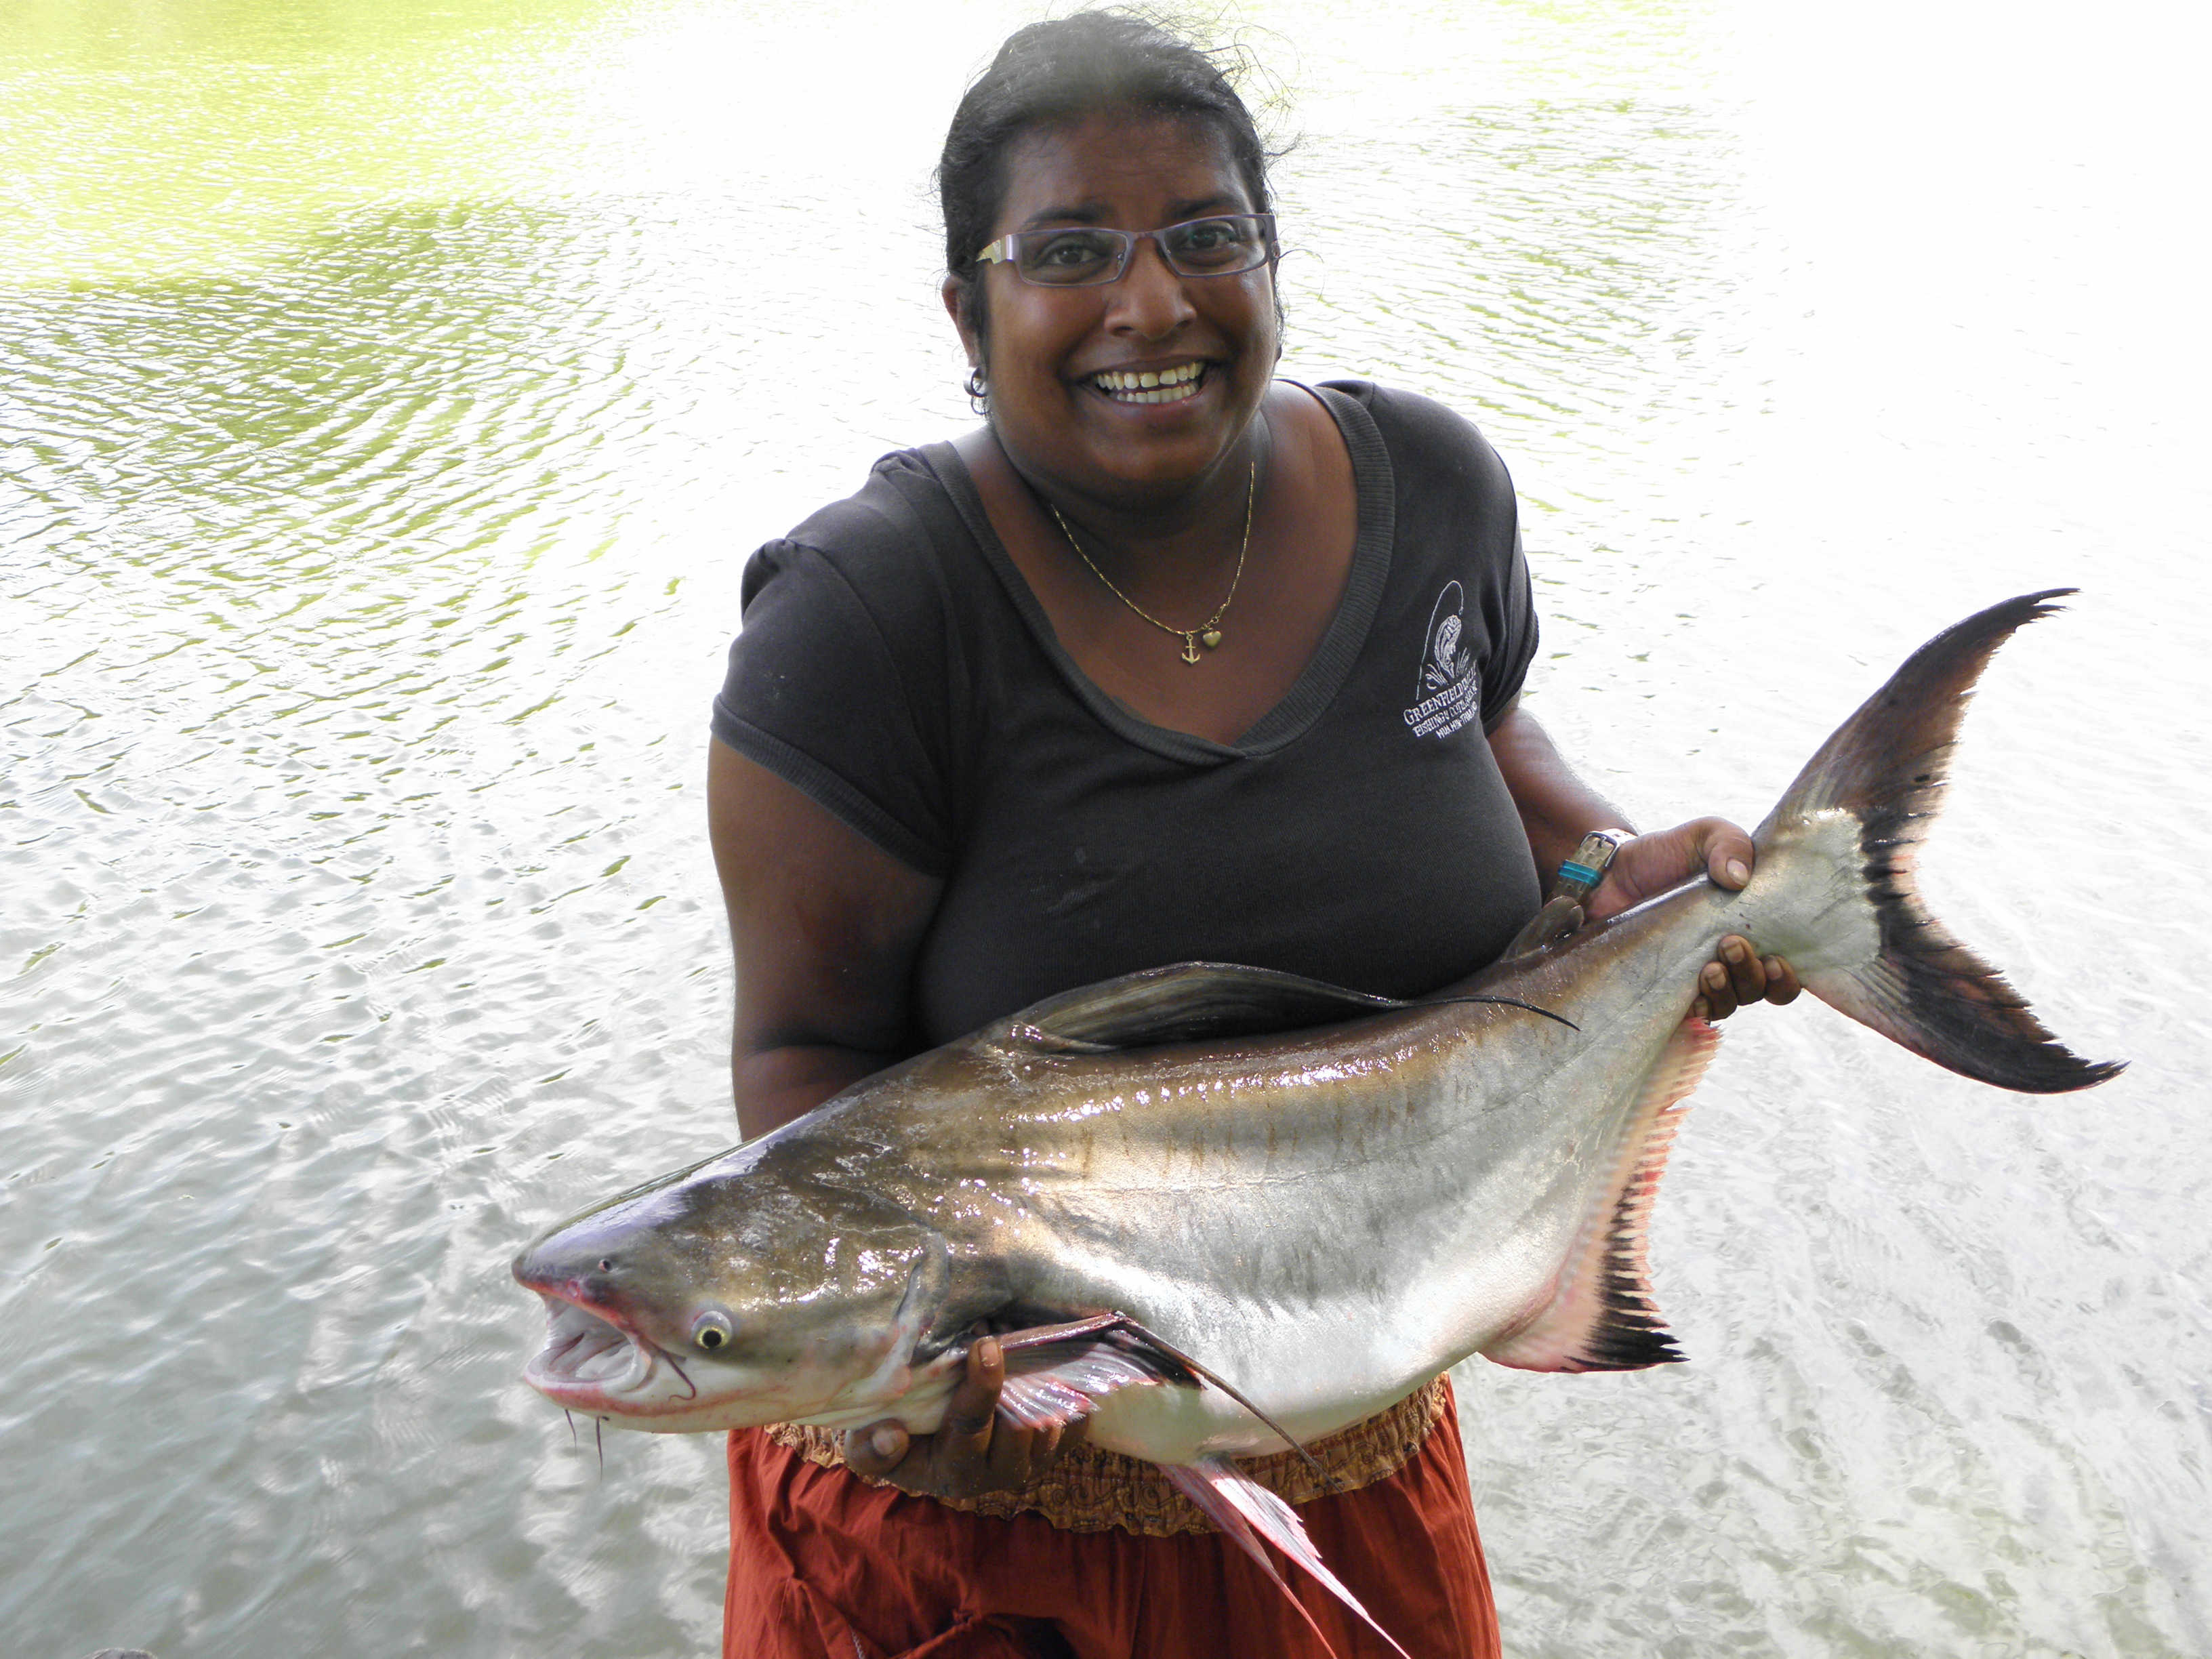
(1049, 346)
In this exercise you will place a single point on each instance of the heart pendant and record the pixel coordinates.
(1211, 638)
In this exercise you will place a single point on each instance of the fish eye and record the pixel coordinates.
(711, 1329)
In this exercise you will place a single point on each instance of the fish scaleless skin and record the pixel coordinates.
(1329, 1221)
(1231, 1207)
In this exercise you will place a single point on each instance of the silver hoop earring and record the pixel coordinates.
(978, 391)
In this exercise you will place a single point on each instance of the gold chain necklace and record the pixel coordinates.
(1207, 633)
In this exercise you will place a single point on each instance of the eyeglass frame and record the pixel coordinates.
(1006, 250)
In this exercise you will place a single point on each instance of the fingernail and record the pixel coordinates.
(884, 1442)
(1738, 872)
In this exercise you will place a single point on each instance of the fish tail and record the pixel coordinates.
(1842, 849)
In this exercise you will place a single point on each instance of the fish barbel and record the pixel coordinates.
(1219, 1209)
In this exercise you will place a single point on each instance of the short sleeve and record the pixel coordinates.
(821, 691)
(1457, 506)
(1513, 634)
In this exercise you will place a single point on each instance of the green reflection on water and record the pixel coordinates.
(157, 137)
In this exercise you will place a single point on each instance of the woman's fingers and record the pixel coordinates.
(963, 1443)
(1747, 973)
(1652, 864)
(1729, 853)
(956, 1462)
(1737, 977)
(1782, 984)
(973, 1451)
(1716, 991)
(878, 1449)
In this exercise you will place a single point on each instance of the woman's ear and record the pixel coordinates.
(954, 294)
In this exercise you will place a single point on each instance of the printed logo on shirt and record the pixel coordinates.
(1450, 694)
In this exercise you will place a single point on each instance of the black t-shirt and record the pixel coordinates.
(895, 667)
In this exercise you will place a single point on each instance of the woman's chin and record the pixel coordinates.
(1157, 448)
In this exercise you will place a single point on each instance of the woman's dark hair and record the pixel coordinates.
(1054, 73)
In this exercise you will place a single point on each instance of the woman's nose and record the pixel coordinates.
(1150, 300)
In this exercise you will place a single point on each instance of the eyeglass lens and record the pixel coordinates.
(1200, 247)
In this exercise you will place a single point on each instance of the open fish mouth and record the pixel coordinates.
(588, 1362)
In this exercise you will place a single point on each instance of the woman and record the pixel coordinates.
(1168, 660)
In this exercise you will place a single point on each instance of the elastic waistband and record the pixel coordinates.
(1091, 1489)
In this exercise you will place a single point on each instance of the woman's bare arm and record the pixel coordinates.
(825, 925)
(1557, 809)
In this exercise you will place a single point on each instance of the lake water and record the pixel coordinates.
(392, 389)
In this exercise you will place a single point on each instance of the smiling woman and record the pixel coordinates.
(1170, 660)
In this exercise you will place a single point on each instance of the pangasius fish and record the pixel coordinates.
(1217, 1209)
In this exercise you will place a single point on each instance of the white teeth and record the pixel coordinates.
(1166, 385)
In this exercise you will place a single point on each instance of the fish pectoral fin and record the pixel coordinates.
(1601, 1316)
(1248, 1513)
(1189, 1002)
(1058, 1373)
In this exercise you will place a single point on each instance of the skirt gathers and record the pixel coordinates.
(825, 1565)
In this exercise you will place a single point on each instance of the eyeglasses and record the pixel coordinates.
(1085, 256)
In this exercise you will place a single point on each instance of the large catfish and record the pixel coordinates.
(1218, 1210)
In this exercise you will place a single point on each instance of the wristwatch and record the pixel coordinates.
(1579, 876)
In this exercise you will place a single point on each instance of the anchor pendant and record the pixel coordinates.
(1208, 637)
(1190, 648)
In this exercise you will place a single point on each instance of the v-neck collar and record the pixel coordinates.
(1325, 671)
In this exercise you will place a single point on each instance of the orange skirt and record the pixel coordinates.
(823, 1565)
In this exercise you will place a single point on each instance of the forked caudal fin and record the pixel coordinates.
(1865, 802)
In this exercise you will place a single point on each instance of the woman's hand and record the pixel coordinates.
(973, 1451)
(1648, 865)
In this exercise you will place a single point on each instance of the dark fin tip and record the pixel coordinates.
(1889, 766)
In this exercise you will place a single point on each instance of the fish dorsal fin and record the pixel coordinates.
(1189, 1002)
(1601, 1315)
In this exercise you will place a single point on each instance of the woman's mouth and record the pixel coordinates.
(1163, 385)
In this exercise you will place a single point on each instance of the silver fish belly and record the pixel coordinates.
(1216, 1209)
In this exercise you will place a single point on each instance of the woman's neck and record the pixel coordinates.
(1160, 539)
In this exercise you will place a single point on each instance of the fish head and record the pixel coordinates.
(724, 1297)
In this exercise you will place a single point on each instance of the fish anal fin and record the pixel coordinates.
(1248, 1512)
(1601, 1315)
(1188, 1002)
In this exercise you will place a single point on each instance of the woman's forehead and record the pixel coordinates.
(1134, 170)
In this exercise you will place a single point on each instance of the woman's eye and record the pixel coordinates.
(1067, 252)
(1210, 242)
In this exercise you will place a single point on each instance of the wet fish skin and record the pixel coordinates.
(1326, 1216)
